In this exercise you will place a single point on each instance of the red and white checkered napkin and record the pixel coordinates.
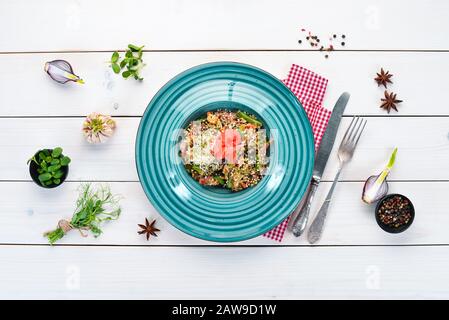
(309, 88)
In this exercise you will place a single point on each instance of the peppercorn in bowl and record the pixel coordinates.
(395, 213)
(214, 187)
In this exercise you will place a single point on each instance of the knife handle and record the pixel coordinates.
(317, 226)
(300, 223)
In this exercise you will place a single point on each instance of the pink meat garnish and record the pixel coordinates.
(226, 145)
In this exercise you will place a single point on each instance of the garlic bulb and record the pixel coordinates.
(376, 187)
(97, 128)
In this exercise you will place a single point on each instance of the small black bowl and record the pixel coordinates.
(34, 174)
(388, 228)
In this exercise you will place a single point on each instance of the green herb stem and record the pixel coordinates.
(54, 235)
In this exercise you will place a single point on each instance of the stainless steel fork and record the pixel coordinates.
(345, 153)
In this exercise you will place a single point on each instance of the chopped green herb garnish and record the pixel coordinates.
(220, 180)
(197, 169)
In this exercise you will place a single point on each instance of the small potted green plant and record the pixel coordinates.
(49, 167)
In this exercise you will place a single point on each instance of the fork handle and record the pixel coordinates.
(317, 226)
(300, 223)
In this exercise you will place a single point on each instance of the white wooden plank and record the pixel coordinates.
(419, 79)
(224, 24)
(423, 145)
(113, 160)
(27, 211)
(224, 273)
(423, 148)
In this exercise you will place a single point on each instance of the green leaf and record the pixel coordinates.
(40, 171)
(65, 161)
(134, 48)
(115, 67)
(56, 152)
(46, 152)
(41, 155)
(54, 161)
(54, 168)
(128, 54)
(392, 159)
(47, 183)
(132, 62)
(58, 174)
(383, 175)
(48, 159)
(126, 74)
(43, 165)
(44, 177)
(114, 57)
(123, 63)
(56, 181)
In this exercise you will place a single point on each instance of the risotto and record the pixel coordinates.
(225, 149)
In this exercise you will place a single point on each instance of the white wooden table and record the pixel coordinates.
(355, 258)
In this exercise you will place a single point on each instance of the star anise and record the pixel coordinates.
(390, 101)
(383, 78)
(148, 229)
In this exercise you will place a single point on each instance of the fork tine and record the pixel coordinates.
(360, 134)
(343, 140)
(351, 130)
(356, 130)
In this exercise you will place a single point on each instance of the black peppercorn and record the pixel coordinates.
(394, 213)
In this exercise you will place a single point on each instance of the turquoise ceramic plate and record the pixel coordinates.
(211, 213)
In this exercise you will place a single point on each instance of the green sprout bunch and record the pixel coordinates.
(131, 64)
(94, 206)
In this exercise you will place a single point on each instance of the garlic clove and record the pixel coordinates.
(376, 187)
(61, 71)
(373, 191)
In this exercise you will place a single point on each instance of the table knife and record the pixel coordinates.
(301, 213)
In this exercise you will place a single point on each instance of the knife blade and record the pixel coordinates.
(327, 142)
(301, 213)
